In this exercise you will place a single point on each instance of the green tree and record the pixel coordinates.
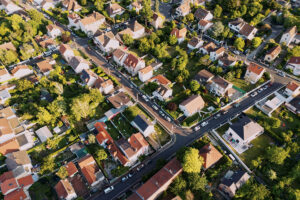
(218, 11)
(99, 4)
(146, 11)
(272, 174)
(8, 57)
(83, 2)
(252, 191)
(194, 85)
(101, 154)
(23, 85)
(62, 173)
(178, 185)
(172, 39)
(144, 45)
(44, 117)
(157, 6)
(277, 155)
(196, 182)
(239, 44)
(48, 165)
(256, 42)
(190, 17)
(217, 29)
(192, 162)
(128, 40)
(92, 139)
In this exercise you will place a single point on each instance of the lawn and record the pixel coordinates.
(131, 112)
(114, 133)
(242, 84)
(43, 189)
(160, 135)
(260, 144)
(223, 129)
(124, 126)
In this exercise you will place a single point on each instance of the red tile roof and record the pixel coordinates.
(25, 181)
(16, 195)
(71, 169)
(210, 155)
(162, 177)
(292, 86)
(179, 33)
(6, 175)
(9, 146)
(146, 69)
(117, 154)
(88, 168)
(137, 141)
(255, 68)
(160, 79)
(294, 60)
(102, 135)
(131, 61)
(63, 188)
(8, 184)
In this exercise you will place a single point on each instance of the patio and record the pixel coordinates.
(240, 148)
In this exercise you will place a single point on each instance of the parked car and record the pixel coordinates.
(204, 124)
(155, 107)
(109, 189)
(140, 167)
(197, 128)
(236, 105)
(253, 94)
(124, 178)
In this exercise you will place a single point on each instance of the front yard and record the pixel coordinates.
(123, 126)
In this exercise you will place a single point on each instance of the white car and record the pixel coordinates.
(124, 178)
(204, 124)
(253, 94)
(197, 128)
(109, 189)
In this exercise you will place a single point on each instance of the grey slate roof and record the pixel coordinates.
(141, 122)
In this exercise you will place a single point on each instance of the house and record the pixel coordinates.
(9, 146)
(244, 130)
(210, 155)
(21, 71)
(6, 129)
(203, 14)
(292, 89)
(254, 73)
(219, 86)
(25, 140)
(163, 92)
(53, 31)
(195, 43)
(136, 6)
(294, 65)
(4, 75)
(135, 30)
(66, 52)
(88, 77)
(146, 73)
(9, 7)
(143, 125)
(118, 155)
(120, 100)
(288, 36)
(135, 147)
(192, 105)
(19, 159)
(8, 46)
(133, 64)
(45, 66)
(294, 105)
(71, 5)
(296, 39)
(216, 53)
(207, 48)
(78, 64)
(119, 56)
(227, 60)
(233, 181)
(157, 21)
(103, 138)
(204, 25)
(160, 80)
(243, 29)
(203, 76)
(74, 19)
(43, 133)
(179, 34)
(47, 4)
(8, 183)
(48, 44)
(106, 42)
(104, 86)
(17, 194)
(158, 183)
(272, 53)
(90, 170)
(91, 23)
(184, 9)
(114, 9)
(71, 169)
(65, 190)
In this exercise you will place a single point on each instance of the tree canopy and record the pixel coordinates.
(192, 162)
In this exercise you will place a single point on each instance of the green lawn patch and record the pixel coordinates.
(160, 135)
(114, 133)
(223, 129)
(242, 84)
(131, 112)
(43, 189)
(124, 126)
(260, 144)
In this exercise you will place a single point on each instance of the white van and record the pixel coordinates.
(109, 189)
